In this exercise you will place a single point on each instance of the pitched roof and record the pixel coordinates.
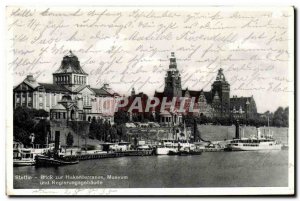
(53, 87)
(70, 64)
(105, 91)
(101, 92)
(58, 107)
(109, 90)
(81, 87)
(32, 83)
(196, 94)
(29, 81)
(238, 102)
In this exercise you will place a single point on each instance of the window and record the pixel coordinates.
(48, 99)
(52, 100)
(30, 97)
(23, 97)
(86, 100)
(18, 98)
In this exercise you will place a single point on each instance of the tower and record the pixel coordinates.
(132, 92)
(173, 80)
(70, 74)
(222, 88)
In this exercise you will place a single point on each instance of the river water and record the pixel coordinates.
(211, 169)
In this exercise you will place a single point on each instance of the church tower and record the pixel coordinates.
(221, 88)
(70, 74)
(173, 80)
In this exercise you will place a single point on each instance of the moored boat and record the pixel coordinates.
(165, 150)
(254, 143)
(23, 162)
(26, 156)
(55, 161)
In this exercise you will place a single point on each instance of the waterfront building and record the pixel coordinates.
(213, 103)
(71, 79)
(71, 102)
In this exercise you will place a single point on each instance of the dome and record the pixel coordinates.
(70, 64)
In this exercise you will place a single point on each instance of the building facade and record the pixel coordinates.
(69, 79)
(214, 103)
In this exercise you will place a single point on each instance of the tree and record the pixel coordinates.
(70, 140)
(21, 135)
(41, 113)
(121, 117)
(40, 131)
(113, 133)
(281, 116)
(25, 123)
(101, 131)
(106, 127)
(93, 129)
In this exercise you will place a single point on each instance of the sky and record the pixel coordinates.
(130, 47)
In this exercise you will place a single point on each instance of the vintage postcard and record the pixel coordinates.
(150, 101)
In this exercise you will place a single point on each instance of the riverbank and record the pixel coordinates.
(210, 169)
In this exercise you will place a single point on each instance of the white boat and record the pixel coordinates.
(26, 156)
(173, 146)
(178, 144)
(166, 147)
(164, 150)
(254, 143)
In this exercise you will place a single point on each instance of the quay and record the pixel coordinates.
(211, 150)
(91, 156)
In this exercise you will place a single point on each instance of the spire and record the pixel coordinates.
(132, 91)
(220, 76)
(70, 54)
(173, 63)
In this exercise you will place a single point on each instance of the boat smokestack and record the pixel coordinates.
(237, 130)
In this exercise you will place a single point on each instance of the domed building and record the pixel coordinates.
(69, 98)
